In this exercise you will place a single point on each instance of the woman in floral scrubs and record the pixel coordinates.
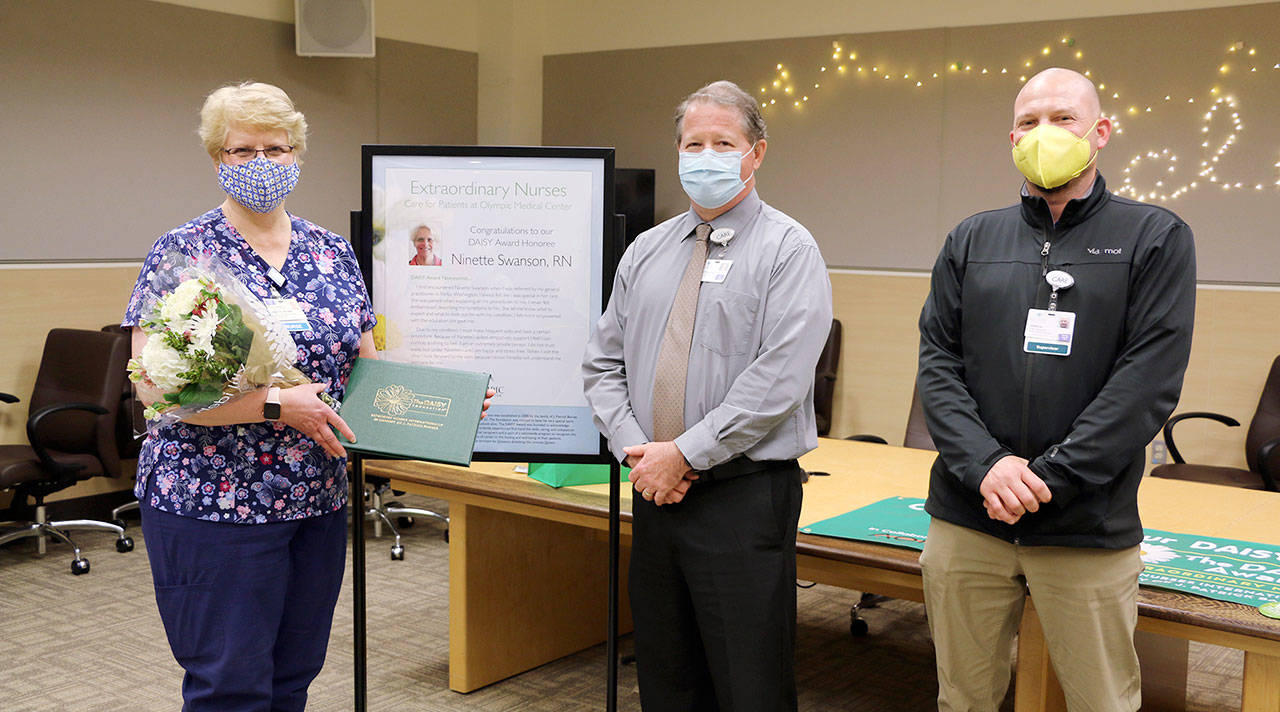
(244, 516)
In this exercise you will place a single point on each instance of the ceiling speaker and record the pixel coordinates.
(333, 28)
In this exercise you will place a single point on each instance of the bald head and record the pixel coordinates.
(1065, 100)
(1062, 86)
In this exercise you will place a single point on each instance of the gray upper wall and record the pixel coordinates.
(101, 105)
(879, 170)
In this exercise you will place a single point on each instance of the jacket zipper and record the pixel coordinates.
(1026, 376)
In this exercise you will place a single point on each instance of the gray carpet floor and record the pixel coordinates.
(95, 642)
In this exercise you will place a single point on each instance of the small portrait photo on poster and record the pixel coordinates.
(426, 246)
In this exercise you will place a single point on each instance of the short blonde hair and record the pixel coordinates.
(251, 105)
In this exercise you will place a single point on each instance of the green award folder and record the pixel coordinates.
(413, 412)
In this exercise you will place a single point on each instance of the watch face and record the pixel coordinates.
(271, 411)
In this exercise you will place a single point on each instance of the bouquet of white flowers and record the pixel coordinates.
(209, 340)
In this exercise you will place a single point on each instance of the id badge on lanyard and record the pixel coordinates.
(1050, 331)
(289, 313)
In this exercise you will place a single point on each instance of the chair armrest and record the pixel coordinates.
(33, 426)
(7, 398)
(1269, 463)
(1168, 428)
(868, 439)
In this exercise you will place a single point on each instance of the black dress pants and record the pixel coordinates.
(713, 596)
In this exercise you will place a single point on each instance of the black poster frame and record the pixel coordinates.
(613, 235)
(611, 251)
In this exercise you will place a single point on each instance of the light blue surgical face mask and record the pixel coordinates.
(711, 178)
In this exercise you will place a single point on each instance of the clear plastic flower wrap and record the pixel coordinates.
(209, 340)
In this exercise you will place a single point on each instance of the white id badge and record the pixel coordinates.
(289, 313)
(716, 270)
(1049, 332)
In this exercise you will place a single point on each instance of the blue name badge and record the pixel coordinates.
(1049, 332)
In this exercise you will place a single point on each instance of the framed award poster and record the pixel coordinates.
(495, 259)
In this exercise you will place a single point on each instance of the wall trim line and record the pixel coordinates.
(102, 264)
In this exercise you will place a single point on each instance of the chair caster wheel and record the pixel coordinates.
(80, 566)
(446, 535)
(397, 553)
(404, 522)
(120, 523)
(124, 544)
(858, 628)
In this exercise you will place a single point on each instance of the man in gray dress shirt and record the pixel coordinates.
(700, 374)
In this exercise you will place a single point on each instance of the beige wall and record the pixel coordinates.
(878, 313)
(32, 301)
(592, 26)
(110, 91)
(879, 170)
(511, 75)
(510, 91)
(440, 23)
(423, 94)
(873, 383)
(880, 174)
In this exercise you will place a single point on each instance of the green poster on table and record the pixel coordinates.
(897, 521)
(1222, 569)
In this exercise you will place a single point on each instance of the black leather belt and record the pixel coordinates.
(743, 465)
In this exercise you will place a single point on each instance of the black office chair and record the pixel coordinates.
(130, 426)
(70, 431)
(824, 379)
(1262, 445)
(918, 437)
(377, 489)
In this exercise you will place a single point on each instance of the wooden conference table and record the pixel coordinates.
(528, 563)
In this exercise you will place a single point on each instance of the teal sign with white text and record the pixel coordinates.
(1222, 569)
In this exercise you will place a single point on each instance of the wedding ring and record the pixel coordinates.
(647, 494)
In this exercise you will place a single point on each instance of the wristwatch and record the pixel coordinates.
(271, 408)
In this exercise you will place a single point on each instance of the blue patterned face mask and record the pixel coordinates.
(260, 185)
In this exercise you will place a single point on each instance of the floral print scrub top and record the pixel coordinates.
(260, 472)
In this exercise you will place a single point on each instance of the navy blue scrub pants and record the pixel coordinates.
(713, 595)
(247, 607)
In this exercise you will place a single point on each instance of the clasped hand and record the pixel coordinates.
(659, 471)
(1010, 489)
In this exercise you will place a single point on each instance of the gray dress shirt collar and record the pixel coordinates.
(735, 219)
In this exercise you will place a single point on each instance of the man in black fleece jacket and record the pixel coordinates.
(1052, 348)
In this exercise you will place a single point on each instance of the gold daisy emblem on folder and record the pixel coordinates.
(393, 400)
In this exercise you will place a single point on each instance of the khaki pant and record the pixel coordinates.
(1087, 603)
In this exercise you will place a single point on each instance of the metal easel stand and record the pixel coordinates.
(615, 527)
(359, 624)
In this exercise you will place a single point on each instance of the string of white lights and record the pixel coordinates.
(784, 88)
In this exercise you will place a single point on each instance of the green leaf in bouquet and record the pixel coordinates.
(199, 393)
(235, 338)
(175, 340)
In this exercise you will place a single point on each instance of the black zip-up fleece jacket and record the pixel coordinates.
(1083, 421)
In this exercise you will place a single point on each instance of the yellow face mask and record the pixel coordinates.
(1050, 156)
